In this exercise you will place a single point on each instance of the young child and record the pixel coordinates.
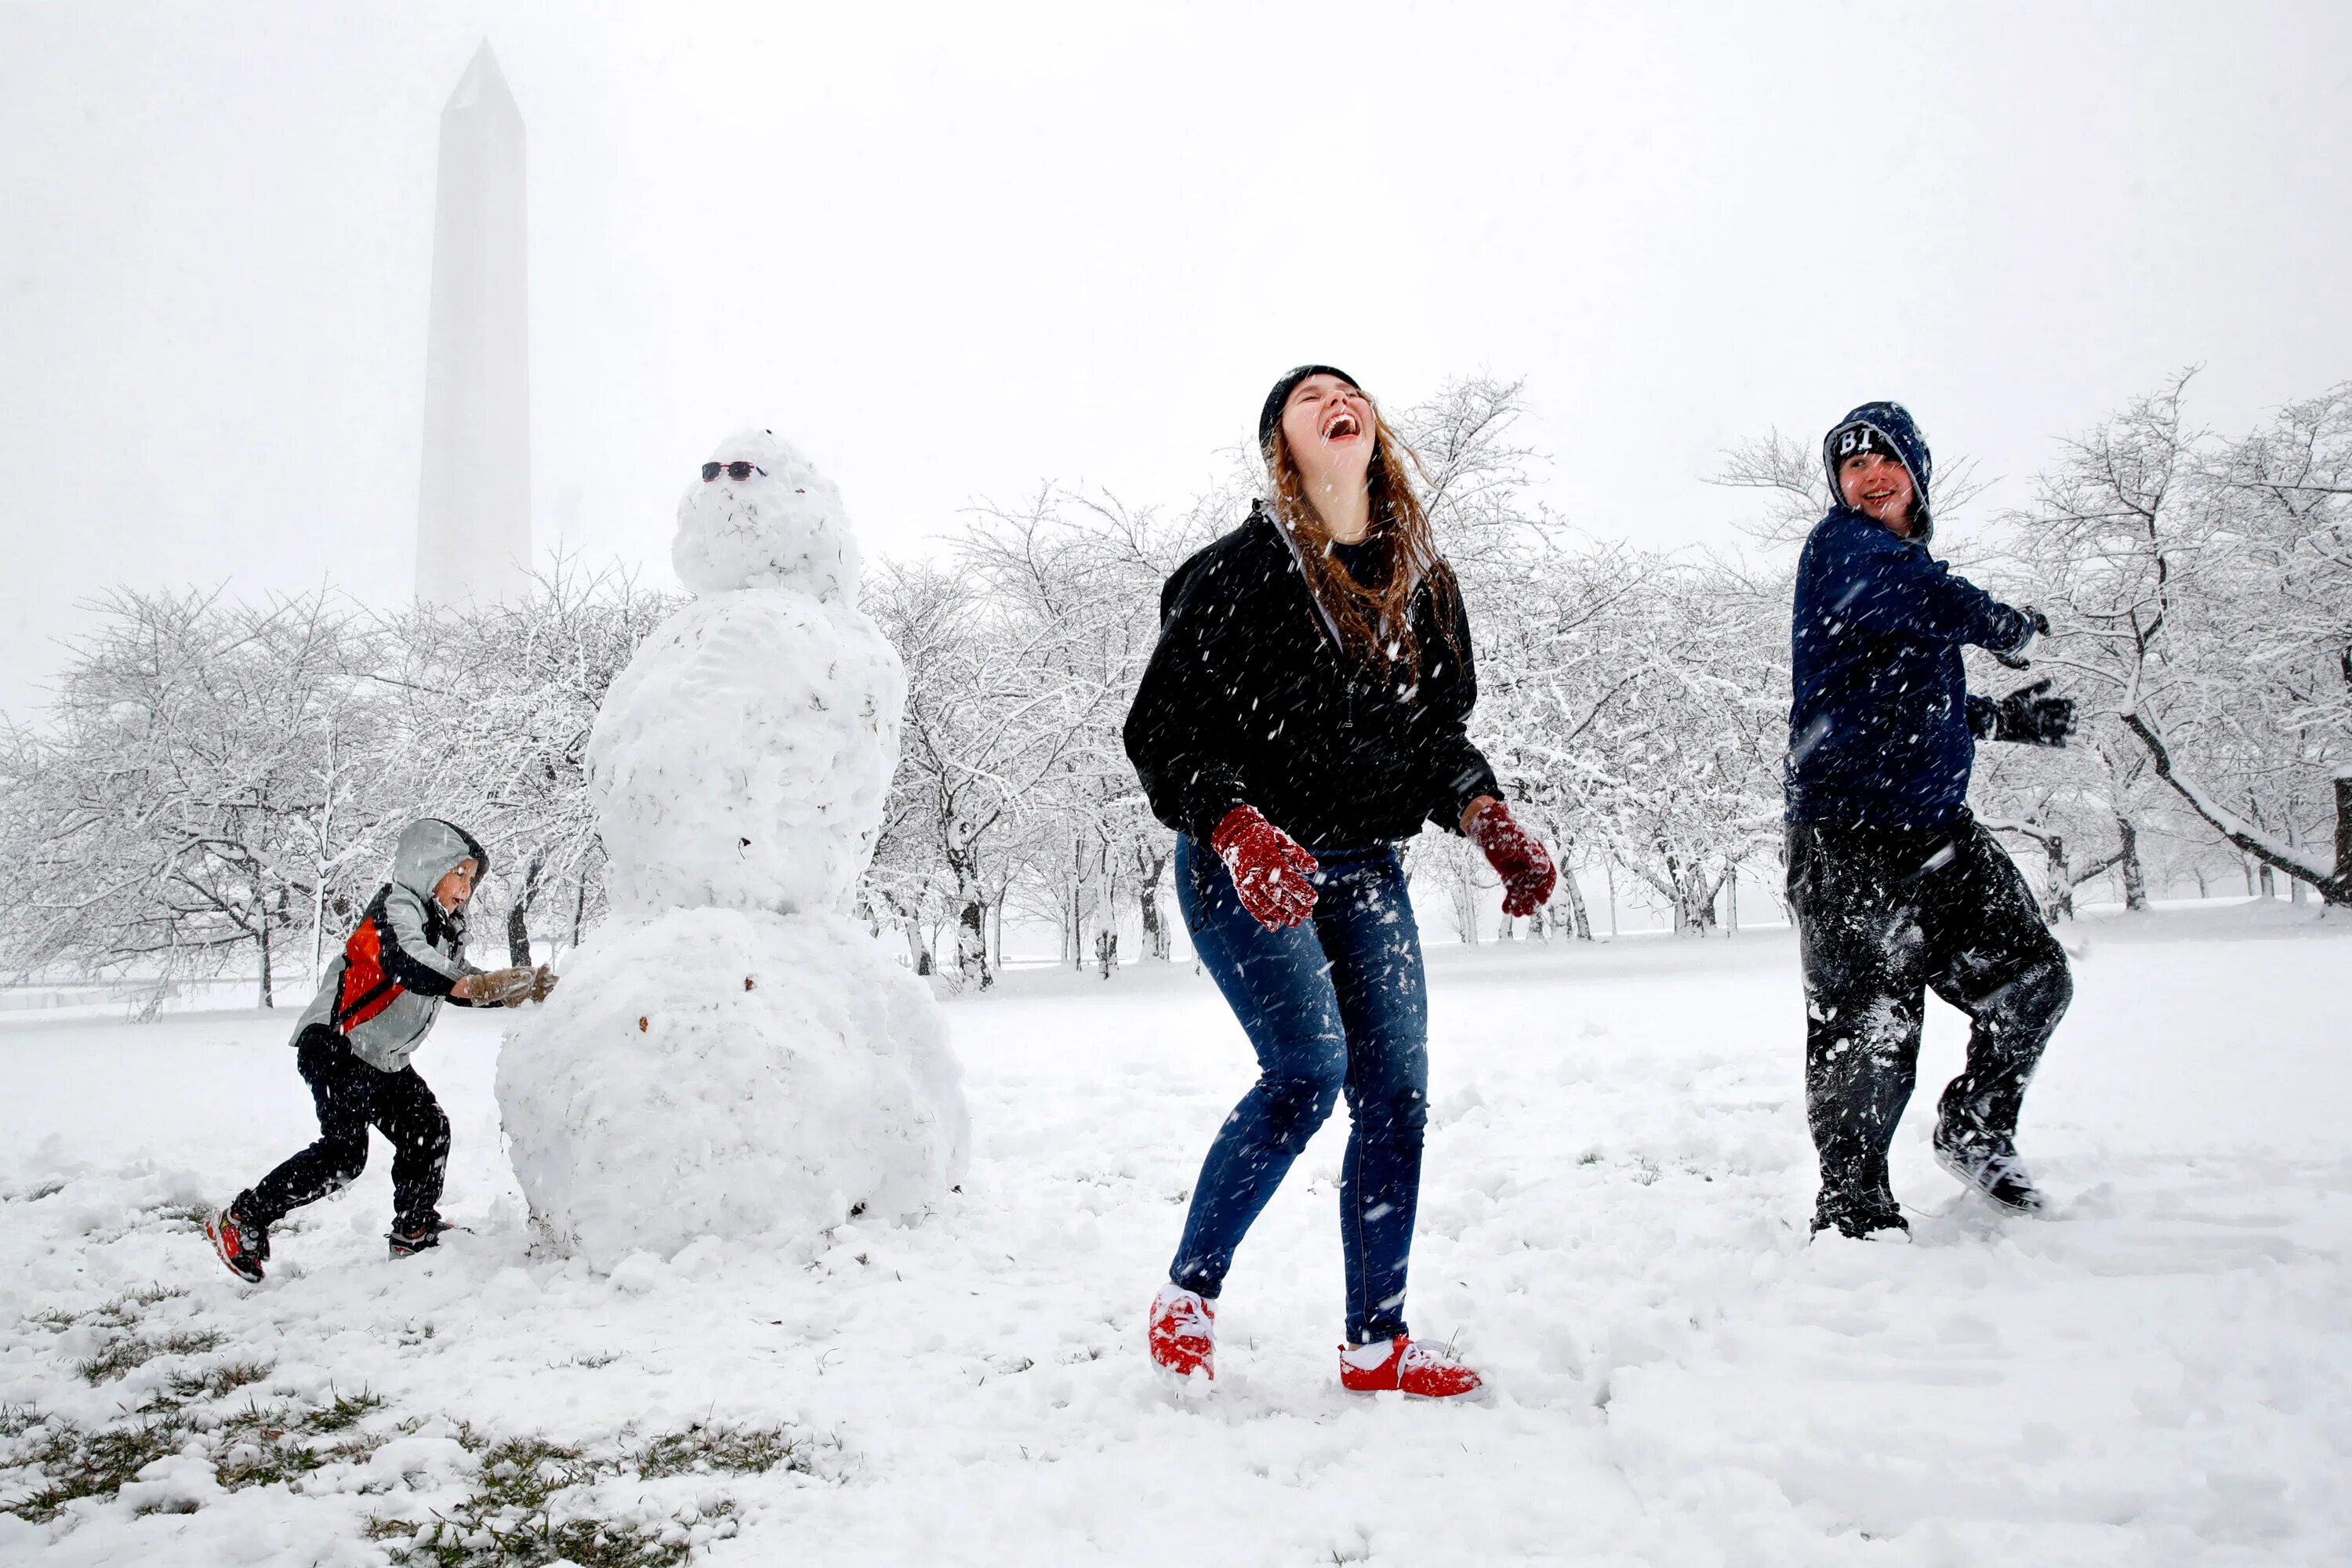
(1897, 888)
(376, 1005)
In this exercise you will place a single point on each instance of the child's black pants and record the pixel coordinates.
(351, 1097)
(1883, 914)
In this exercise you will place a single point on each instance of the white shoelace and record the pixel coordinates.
(1186, 1313)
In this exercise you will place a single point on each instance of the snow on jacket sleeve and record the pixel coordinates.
(409, 957)
(1179, 729)
(1886, 586)
(1457, 770)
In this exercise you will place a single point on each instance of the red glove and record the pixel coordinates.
(1517, 855)
(1269, 867)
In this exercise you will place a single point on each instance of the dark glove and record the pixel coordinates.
(1517, 855)
(1270, 869)
(2031, 719)
(2013, 656)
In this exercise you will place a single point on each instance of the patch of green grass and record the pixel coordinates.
(259, 1445)
(343, 1411)
(518, 1516)
(126, 1352)
(74, 1462)
(740, 1450)
(263, 1445)
(120, 1312)
(186, 1387)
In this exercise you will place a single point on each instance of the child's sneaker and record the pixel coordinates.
(241, 1244)
(1989, 1163)
(1183, 1333)
(407, 1240)
(1407, 1365)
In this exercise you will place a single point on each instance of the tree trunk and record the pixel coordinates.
(2344, 823)
(2135, 875)
(268, 999)
(1147, 898)
(1731, 901)
(971, 944)
(1155, 931)
(519, 913)
(2058, 888)
(580, 905)
(2269, 881)
(1579, 923)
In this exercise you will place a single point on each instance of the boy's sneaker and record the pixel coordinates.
(1987, 1161)
(1406, 1364)
(241, 1244)
(1875, 1217)
(409, 1241)
(1183, 1332)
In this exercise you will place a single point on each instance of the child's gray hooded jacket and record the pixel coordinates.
(385, 988)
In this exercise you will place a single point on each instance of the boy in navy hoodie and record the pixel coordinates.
(1895, 887)
(375, 1005)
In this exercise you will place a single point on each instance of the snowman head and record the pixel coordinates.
(780, 523)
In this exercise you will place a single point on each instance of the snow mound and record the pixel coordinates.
(714, 1072)
(743, 757)
(781, 526)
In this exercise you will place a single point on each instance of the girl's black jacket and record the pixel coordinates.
(1249, 700)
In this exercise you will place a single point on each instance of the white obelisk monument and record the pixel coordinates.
(473, 515)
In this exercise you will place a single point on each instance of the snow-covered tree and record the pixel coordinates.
(2205, 586)
(204, 792)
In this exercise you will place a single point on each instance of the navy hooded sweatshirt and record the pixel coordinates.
(1879, 729)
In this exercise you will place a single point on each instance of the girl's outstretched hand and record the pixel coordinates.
(1517, 855)
(1270, 869)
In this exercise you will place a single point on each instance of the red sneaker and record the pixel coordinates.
(1183, 1332)
(1404, 1363)
(241, 1244)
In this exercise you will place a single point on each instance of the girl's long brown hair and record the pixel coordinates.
(1374, 620)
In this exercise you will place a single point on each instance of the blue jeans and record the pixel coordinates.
(1338, 1005)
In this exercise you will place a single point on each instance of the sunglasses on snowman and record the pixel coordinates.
(738, 470)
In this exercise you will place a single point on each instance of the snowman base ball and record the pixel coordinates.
(729, 1073)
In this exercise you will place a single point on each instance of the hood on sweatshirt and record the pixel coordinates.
(1884, 427)
(429, 849)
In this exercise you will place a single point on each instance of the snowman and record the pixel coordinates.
(731, 1056)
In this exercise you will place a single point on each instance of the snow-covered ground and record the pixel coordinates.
(1613, 1226)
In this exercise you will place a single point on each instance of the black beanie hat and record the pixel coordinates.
(1270, 417)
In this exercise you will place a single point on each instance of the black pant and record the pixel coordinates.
(352, 1095)
(1882, 913)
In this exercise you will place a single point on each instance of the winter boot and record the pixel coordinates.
(1407, 1365)
(407, 1240)
(241, 1244)
(1183, 1332)
(1866, 1216)
(1987, 1161)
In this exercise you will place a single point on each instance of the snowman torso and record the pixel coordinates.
(742, 758)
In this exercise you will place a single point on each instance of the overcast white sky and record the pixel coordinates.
(953, 251)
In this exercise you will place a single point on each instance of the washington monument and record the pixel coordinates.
(473, 514)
